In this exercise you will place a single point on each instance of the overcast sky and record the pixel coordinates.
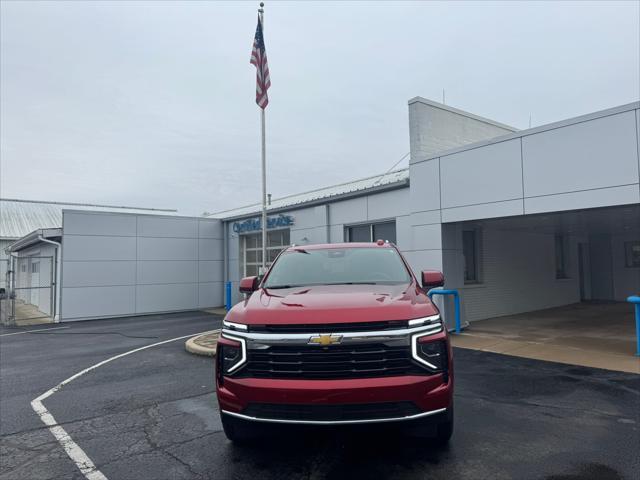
(152, 104)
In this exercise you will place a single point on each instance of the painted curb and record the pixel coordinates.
(192, 346)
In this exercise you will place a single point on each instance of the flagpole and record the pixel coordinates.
(264, 197)
(264, 171)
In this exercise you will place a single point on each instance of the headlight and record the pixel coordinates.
(424, 320)
(433, 354)
(231, 354)
(234, 326)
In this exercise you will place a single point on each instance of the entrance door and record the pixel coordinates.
(34, 287)
(584, 271)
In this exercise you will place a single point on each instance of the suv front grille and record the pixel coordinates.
(334, 362)
(354, 411)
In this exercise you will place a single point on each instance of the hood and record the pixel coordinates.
(332, 304)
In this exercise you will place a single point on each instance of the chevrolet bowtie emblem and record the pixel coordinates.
(326, 339)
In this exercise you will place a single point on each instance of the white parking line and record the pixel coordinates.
(29, 331)
(77, 455)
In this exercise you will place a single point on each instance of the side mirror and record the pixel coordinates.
(432, 279)
(249, 284)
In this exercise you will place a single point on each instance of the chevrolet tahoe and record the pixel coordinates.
(336, 334)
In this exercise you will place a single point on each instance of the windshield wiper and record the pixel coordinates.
(351, 283)
(275, 287)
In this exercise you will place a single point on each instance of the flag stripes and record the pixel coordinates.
(259, 60)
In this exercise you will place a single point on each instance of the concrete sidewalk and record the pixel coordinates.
(591, 335)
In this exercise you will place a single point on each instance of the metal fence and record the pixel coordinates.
(30, 293)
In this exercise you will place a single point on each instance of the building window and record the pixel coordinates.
(251, 250)
(470, 250)
(561, 257)
(632, 254)
(35, 267)
(370, 232)
(23, 267)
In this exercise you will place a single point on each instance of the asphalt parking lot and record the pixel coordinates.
(153, 415)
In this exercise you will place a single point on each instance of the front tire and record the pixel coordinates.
(437, 431)
(444, 430)
(238, 431)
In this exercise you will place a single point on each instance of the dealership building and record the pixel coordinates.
(518, 221)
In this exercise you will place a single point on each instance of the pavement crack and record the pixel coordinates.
(538, 405)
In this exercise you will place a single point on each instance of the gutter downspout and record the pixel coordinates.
(56, 296)
(225, 253)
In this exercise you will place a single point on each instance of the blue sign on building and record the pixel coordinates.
(255, 224)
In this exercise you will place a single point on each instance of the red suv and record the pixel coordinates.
(336, 334)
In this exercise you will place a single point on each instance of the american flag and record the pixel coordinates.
(259, 59)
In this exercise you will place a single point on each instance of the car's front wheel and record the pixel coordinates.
(444, 430)
(437, 430)
(238, 431)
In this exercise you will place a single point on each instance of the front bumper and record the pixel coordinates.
(337, 421)
(428, 394)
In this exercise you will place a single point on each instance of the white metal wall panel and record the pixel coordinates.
(99, 274)
(604, 197)
(485, 210)
(167, 297)
(177, 271)
(594, 154)
(482, 175)
(98, 248)
(349, 211)
(150, 226)
(424, 191)
(307, 217)
(164, 267)
(162, 249)
(208, 229)
(425, 218)
(403, 232)
(104, 301)
(210, 271)
(210, 294)
(301, 236)
(429, 237)
(388, 204)
(77, 223)
(424, 260)
(336, 233)
(210, 249)
(233, 246)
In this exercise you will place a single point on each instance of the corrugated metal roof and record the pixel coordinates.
(21, 217)
(362, 185)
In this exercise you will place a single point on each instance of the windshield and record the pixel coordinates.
(335, 266)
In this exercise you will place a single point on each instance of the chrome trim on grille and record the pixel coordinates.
(256, 339)
(335, 422)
